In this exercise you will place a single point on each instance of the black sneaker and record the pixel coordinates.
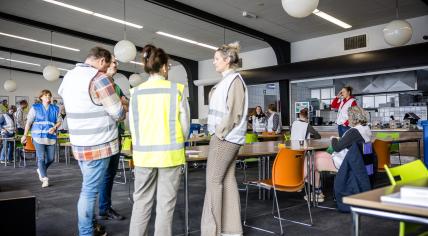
(99, 230)
(110, 215)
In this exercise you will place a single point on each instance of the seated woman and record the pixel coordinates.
(259, 120)
(359, 132)
(301, 129)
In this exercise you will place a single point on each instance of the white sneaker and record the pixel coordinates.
(320, 197)
(45, 182)
(40, 177)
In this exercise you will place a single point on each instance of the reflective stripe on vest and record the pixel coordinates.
(172, 120)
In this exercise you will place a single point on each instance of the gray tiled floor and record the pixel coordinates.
(57, 206)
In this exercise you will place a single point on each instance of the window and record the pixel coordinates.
(374, 101)
(325, 95)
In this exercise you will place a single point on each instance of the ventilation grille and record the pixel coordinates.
(359, 41)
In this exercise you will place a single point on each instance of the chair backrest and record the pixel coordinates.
(287, 168)
(126, 144)
(268, 133)
(390, 135)
(407, 172)
(29, 146)
(251, 138)
(381, 149)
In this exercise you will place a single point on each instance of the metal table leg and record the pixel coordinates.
(186, 199)
(259, 163)
(356, 223)
(419, 149)
(14, 153)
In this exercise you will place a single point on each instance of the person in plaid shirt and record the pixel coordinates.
(92, 116)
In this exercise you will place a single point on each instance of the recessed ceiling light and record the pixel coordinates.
(135, 62)
(94, 13)
(38, 41)
(17, 61)
(332, 19)
(187, 40)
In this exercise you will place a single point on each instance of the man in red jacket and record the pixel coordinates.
(343, 101)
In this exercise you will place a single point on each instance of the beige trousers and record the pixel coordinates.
(222, 211)
(148, 181)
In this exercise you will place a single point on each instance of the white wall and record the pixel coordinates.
(332, 45)
(250, 60)
(27, 85)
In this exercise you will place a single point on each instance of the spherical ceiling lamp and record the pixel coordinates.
(299, 8)
(135, 80)
(397, 32)
(125, 51)
(51, 73)
(9, 85)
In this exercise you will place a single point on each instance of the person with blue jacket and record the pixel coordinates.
(44, 119)
(8, 130)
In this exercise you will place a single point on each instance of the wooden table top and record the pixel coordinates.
(371, 199)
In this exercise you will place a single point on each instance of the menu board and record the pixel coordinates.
(300, 105)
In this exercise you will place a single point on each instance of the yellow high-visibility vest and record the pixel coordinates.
(157, 137)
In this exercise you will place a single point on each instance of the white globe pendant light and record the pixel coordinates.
(9, 85)
(51, 73)
(125, 51)
(299, 8)
(397, 32)
(135, 80)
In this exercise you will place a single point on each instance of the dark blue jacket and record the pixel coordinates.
(352, 177)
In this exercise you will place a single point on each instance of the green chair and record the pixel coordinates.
(395, 147)
(287, 136)
(404, 173)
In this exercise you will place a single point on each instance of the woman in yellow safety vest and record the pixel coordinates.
(159, 123)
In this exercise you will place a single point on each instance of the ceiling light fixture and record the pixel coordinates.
(332, 19)
(299, 8)
(94, 13)
(187, 40)
(136, 62)
(51, 72)
(38, 41)
(62, 69)
(397, 32)
(23, 62)
(10, 84)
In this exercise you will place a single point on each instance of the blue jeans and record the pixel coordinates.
(92, 172)
(342, 129)
(8, 146)
(45, 157)
(107, 185)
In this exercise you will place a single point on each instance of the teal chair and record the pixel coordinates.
(404, 173)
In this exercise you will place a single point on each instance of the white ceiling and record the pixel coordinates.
(272, 20)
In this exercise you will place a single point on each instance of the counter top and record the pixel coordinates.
(331, 128)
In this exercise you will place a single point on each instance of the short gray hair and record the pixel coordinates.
(357, 115)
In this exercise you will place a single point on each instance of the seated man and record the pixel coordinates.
(301, 129)
(359, 133)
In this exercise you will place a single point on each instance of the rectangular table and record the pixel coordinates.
(369, 203)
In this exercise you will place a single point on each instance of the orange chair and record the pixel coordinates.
(28, 148)
(268, 133)
(287, 176)
(382, 150)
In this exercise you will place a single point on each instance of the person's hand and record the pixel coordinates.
(339, 94)
(125, 103)
(24, 139)
(52, 130)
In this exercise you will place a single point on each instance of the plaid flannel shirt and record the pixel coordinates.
(102, 92)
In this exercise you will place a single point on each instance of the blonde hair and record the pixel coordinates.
(357, 115)
(231, 51)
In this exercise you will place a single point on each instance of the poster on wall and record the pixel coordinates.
(19, 99)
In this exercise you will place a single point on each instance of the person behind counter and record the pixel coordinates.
(274, 121)
(342, 102)
(259, 120)
(301, 129)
